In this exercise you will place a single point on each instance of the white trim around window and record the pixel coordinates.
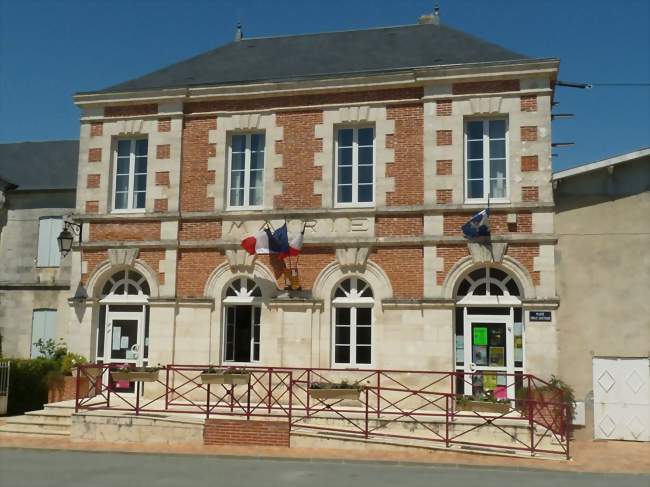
(486, 160)
(246, 163)
(354, 166)
(130, 167)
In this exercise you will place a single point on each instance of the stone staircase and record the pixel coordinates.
(52, 421)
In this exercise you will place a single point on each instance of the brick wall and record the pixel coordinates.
(194, 267)
(444, 196)
(528, 103)
(298, 147)
(408, 168)
(162, 178)
(194, 165)
(131, 110)
(443, 108)
(529, 134)
(164, 124)
(96, 129)
(404, 269)
(242, 432)
(395, 226)
(443, 137)
(450, 254)
(92, 257)
(525, 253)
(304, 100)
(530, 193)
(92, 181)
(529, 163)
(444, 167)
(94, 155)
(160, 205)
(163, 151)
(92, 206)
(153, 257)
(452, 223)
(136, 231)
(200, 230)
(485, 86)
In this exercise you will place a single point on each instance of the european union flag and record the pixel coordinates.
(477, 226)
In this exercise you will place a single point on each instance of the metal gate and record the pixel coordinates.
(4, 386)
(622, 398)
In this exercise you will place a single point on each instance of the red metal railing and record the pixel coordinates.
(412, 407)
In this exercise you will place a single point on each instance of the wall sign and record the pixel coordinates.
(539, 315)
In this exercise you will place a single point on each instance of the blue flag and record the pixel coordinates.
(279, 240)
(477, 226)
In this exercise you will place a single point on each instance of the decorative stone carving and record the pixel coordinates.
(240, 260)
(119, 257)
(132, 126)
(487, 252)
(485, 105)
(352, 258)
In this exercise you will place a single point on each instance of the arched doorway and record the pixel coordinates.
(123, 326)
(489, 338)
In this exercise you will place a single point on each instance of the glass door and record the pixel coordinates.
(489, 351)
(125, 342)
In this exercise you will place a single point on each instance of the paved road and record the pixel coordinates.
(54, 468)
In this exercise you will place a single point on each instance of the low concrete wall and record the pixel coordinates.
(131, 429)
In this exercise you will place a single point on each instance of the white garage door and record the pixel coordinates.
(622, 398)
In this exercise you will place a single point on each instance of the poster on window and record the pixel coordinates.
(479, 355)
(480, 335)
(117, 332)
(497, 357)
(489, 381)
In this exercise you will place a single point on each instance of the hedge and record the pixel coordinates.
(28, 384)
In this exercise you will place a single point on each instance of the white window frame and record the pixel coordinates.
(49, 318)
(131, 193)
(244, 297)
(486, 161)
(47, 248)
(353, 302)
(355, 167)
(247, 171)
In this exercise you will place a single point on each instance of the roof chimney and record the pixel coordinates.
(239, 35)
(432, 18)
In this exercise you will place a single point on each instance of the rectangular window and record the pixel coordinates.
(130, 183)
(48, 247)
(353, 336)
(43, 328)
(246, 161)
(355, 160)
(486, 159)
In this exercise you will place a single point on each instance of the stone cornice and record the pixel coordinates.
(307, 213)
(416, 76)
(337, 242)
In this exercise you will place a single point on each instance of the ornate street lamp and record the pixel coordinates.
(66, 237)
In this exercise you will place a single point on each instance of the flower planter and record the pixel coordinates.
(225, 378)
(135, 375)
(66, 389)
(483, 407)
(351, 394)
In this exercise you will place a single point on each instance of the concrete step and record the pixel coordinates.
(44, 422)
(32, 430)
(45, 415)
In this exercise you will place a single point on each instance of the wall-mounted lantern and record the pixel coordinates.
(66, 237)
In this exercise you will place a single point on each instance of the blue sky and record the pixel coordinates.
(50, 49)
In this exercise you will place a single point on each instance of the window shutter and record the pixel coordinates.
(48, 249)
(43, 327)
(56, 225)
(43, 239)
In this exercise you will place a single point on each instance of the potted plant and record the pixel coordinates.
(335, 390)
(483, 403)
(548, 403)
(212, 375)
(132, 373)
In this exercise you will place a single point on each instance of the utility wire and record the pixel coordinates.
(619, 84)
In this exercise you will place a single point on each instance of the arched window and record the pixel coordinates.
(242, 316)
(352, 319)
(126, 283)
(488, 281)
(243, 288)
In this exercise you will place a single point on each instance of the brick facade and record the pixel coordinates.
(195, 176)
(528, 103)
(398, 226)
(96, 129)
(246, 433)
(443, 137)
(164, 124)
(92, 181)
(408, 167)
(529, 134)
(471, 87)
(194, 269)
(94, 155)
(530, 193)
(444, 196)
(131, 110)
(403, 266)
(452, 223)
(199, 230)
(443, 108)
(137, 231)
(444, 167)
(298, 148)
(529, 163)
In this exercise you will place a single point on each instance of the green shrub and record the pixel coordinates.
(28, 386)
(70, 361)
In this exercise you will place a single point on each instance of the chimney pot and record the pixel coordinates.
(239, 35)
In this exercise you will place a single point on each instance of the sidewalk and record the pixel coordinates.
(588, 456)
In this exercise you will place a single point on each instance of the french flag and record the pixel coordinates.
(265, 242)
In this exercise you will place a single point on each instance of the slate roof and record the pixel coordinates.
(40, 165)
(315, 55)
